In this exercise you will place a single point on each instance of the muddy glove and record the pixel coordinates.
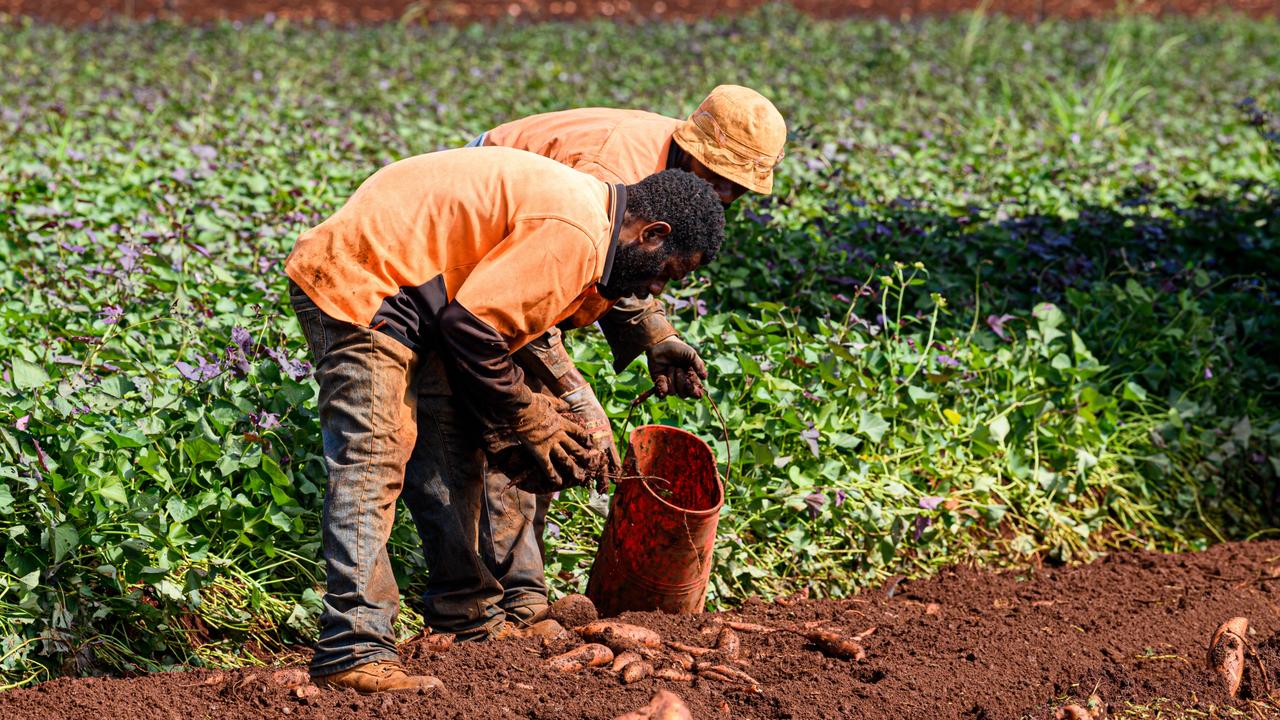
(584, 403)
(675, 367)
(558, 448)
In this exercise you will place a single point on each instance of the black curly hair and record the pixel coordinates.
(688, 204)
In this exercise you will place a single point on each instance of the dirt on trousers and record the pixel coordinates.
(344, 12)
(1131, 628)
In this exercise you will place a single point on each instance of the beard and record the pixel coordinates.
(633, 270)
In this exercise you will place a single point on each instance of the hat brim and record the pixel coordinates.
(725, 164)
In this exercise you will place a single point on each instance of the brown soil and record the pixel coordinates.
(1132, 628)
(367, 11)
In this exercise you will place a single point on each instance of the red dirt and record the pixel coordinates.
(371, 11)
(1132, 628)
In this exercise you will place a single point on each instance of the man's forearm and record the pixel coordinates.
(546, 359)
(633, 326)
(493, 386)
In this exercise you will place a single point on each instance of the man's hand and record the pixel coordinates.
(675, 367)
(584, 403)
(559, 448)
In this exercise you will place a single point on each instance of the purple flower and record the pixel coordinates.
(264, 420)
(948, 361)
(840, 497)
(553, 529)
(1208, 374)
(997, 324)
(814, 503)
(922, 523)
(241, 338)
(111, 314)
(21, 424)
(931, 502)
(204, 152)
(295, 369)
(204, 370)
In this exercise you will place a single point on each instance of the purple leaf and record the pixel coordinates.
(930, 502)
(811, 436)
(997, 324)
(814, 503)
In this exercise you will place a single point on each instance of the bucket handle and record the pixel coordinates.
(728, 452)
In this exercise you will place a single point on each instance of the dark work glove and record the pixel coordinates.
(556, 449)
(676, 367)
(583, 402)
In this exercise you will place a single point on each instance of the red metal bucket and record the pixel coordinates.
(655, 553)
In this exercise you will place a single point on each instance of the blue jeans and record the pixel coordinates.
(392, 430)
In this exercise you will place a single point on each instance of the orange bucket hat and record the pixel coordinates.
(738, 134)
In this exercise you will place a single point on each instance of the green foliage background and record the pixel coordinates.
(1013, 300)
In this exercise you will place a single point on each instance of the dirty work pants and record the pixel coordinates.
(391, 430)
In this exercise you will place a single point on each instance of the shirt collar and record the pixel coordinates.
(617, 211)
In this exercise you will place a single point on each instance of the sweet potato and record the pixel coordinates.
(1073, 712)
(673, 674)
(621, 660)
(834, 644)
(573, 611)
(665, 705)
(683, 659)
(1226, 653)
(693, 650)
(547, 629)
(734, 674)
(636, 671)
(728, 643)
(749, 627)
(581, 658)
(619, 636)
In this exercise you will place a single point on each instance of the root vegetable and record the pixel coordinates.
(693, 650)
(581, 658)
(734, 674)
(1226, 653)
(620, 636)
(749, 627)
(290, 678)
(673, 674)
(665, 705)
(573, 611)
(728, 643)
(547, 629)
(683, 659)
(623, 659)
(437, 642)
(636, 671)
(834, 644)
(1073, 712)
(713, 675)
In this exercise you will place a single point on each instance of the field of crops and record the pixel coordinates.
(1014, 299)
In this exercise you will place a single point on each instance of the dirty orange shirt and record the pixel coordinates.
(616, 146)
(517, 239)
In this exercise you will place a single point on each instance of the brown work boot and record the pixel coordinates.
(380, 676)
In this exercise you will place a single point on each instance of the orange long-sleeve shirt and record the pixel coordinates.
(517, 239)
(616, 146)
(473, 252)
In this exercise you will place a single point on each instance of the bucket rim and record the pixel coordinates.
(715, 509)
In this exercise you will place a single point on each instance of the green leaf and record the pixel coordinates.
(872, 425)
(114, 492)
(1134, 392)
(65, 539)
(27, 375)
(999, 428)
